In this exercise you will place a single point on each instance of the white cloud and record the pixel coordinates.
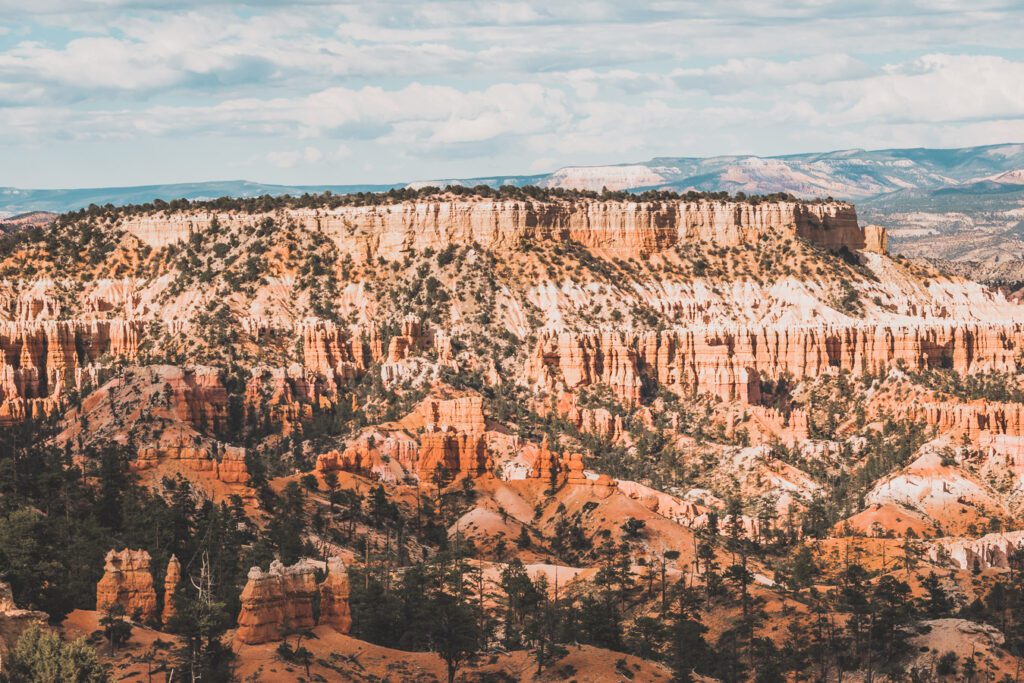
(750, 72)
(472, 87)
(292, 158)
(932, 88)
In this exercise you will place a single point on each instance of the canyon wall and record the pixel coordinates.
(617, 228)
(334, 592)
(969, 420)
(991, 550)
(730, 362)
(43, 360)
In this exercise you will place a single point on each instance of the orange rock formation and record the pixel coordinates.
(171, 580)
(729, 363)
(127, 581)
(41, 361)
(617, 228)
(280, 600)
(275, 602)
(455, 452)
(334, 591)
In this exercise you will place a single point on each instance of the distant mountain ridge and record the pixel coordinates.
(845, 174)
(855, 174)
(14, 201)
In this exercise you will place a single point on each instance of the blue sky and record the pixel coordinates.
(128, 92)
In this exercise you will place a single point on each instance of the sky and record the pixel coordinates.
(130, 92)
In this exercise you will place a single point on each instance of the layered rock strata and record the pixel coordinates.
(334, 592)
(171, 580)
(617, 228)
(276, 601)
(280, 600)
(992, 550)
(970, 420)
(226, 465)
(43, 360)
(450, 452)
(566, 469)
(730, 362)
(127, 581)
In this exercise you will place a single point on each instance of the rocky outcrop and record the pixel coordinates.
(573, 360)
(334, 591)
(14, 621)
(876, 240)
(390, 455)
(226, 464)
(280, 600)
(451, 451)
(42, 361)
(970, 420)
(171, 580)
(567, 468)
(127, 581)
(597, 421)
(992, 550)
(443, 432)
(275, 602)
(619, 228)
(546, 465)
(729, 362)
(464, 413)
(329, 352)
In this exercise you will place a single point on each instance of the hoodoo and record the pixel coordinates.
(276, 602)
(279, 601)
(334, 592)
(171, 581)
(128, 582)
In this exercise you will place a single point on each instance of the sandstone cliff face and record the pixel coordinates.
(612, 227)
(43, 360)
(971, 420)
(876, 240)
(730, 362)
(444, 432)
(463, 413)
(395, 455)
(450, 451)
(280, 600)
(127, 581)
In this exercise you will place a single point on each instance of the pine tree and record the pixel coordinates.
(202, 620)
(688, 651)
(521, 597)
(41, 656)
